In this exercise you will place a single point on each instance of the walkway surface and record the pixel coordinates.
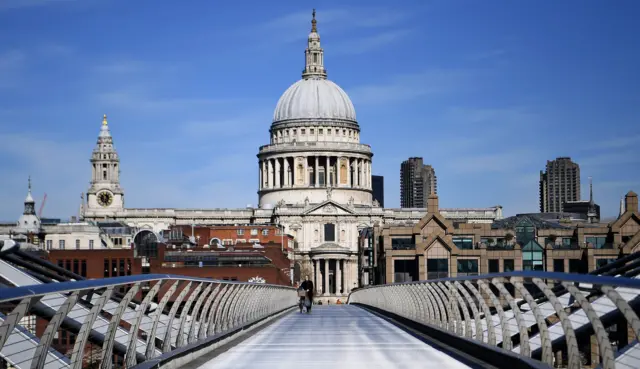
(338, 336)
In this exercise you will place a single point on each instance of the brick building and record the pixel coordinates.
(437, 247)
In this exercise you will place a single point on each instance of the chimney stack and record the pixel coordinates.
(631, 202)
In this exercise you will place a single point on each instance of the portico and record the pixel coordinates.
(334, 270)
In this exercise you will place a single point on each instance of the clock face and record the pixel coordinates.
(105, 198)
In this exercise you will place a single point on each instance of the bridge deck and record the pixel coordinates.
(332, 337)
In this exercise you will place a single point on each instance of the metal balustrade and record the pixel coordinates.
(537, 315)
(187, 313)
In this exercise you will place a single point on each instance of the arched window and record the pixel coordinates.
(215, 242)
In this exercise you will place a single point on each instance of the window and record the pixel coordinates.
(76, 266)
(508, 265)
(402, 243)
(576, 266)
(494, 266)
(77, 244)
(532, 256)
(49, 244)
(61, 244)
(90, 244)
(597, 242)
(437, 268)
(463, 243)
(311, 130)
(558, 265)
(254, 231)
(302, 131)
(83, 268)
(600, 263)
(321, 178)
(265, 232)
(106, 268)
(240, 231)
(319, 131)
(329, 131)
(329, 232)
(467, 267)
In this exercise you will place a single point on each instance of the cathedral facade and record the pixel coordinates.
(314, 181)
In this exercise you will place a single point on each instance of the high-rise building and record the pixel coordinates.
(417, 182)
(377, 182)
(560, 183)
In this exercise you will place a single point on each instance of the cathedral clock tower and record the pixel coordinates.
(105, 197)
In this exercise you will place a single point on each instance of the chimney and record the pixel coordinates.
(631, 202)
(432, 203)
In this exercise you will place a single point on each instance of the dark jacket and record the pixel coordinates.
(308, 285)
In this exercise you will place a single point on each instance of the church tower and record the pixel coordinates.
(105, 196)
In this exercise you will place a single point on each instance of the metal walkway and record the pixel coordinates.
(339, 336)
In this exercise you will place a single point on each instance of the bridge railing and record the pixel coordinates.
(563, 320)
(172, 313)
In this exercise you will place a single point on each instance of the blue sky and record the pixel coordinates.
(485, 91)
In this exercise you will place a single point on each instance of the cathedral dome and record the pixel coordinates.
(314, 98)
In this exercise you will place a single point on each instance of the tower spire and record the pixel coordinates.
(314, 55)
(314, 22)
(104, 120)
(592, 214)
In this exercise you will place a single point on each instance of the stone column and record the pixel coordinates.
(270, 174)
(277, 172)
(260, 174)
(305, 174)
(337, 171)
(347, 271)
(349, 169)
(354, 271)
(326, 277)
(338, 278)
(316, 171)
(318, 280)
(362, 180)
(326, 171)
(287, 173)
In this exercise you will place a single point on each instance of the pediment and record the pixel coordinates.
(329, 247)
(328, 208)
(627, 220)
(435, 243)
(431, 222)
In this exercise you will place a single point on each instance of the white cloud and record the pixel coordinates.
(59, 168)
(139, 99)
(410, 86)
(363, 45)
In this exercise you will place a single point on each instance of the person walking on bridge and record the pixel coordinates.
(307, 285)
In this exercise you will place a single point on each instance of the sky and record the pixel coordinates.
(485, 91)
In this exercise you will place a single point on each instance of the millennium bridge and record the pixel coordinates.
(52, 318)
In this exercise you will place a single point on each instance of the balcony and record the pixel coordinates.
(566, 246)
(500, 247)
(314, 145)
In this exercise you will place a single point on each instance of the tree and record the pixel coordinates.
(306, 270)
(508, 237)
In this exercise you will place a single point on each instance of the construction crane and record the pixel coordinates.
(42, 205)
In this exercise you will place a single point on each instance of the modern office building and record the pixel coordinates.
(417, 181)
(559, 183)
(377, 183)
